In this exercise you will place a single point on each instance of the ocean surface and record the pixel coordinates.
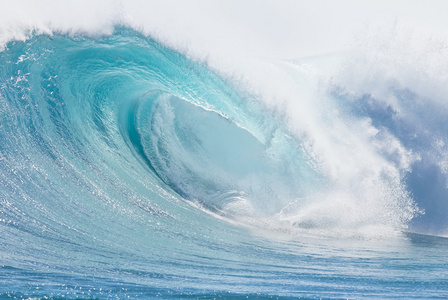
(129, 170)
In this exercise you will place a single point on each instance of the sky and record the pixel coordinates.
(264, 28)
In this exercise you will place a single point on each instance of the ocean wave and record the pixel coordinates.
(129, 161)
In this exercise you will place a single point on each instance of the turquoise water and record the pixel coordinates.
(128, 170)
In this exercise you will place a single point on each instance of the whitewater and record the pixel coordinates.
(269, 150)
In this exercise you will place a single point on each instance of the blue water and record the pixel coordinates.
(129, 170)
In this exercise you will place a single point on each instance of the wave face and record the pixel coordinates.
(129, 170)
